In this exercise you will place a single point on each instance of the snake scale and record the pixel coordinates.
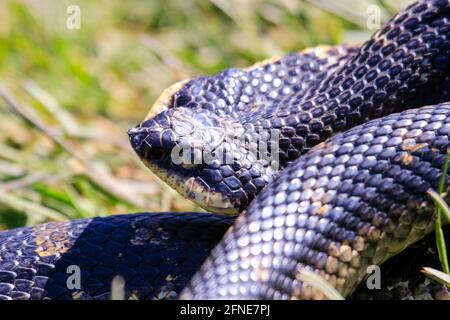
(355, 136)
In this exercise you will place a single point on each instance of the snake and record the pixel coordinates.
(326, 155)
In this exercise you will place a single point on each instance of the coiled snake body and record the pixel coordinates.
(336, 207)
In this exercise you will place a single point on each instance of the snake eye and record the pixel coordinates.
(156, 154)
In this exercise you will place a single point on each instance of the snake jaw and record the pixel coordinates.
(173, 149)
(193, 188)
(192, 150)
(200, 193)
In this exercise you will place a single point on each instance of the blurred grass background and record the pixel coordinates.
(68, 96)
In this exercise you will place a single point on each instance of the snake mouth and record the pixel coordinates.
(191, 187)
(185, 178)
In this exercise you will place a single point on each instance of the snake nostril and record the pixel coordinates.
(137, 138)
(145, 135)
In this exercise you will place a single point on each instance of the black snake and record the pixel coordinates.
(337, 205)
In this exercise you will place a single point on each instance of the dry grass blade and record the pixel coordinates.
(18, 110)
(11, 169)
(437, 275)
(25, 181)
(100, 174)
(320, 283)
(118, 288)
(69, 123)
(178, 70)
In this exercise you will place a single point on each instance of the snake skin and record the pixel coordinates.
(353, 201)
(294, 103)
(154, 138)
(401, 278)
(156, 253)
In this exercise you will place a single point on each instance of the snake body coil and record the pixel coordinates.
(156, 254)
(354, 201)
(258, 137)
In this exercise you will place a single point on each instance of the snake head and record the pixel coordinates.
(202, 146)
(178, 145)
(186, 146)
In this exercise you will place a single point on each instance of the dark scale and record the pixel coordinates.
(155, 253)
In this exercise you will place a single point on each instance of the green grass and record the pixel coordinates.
(442, 210)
